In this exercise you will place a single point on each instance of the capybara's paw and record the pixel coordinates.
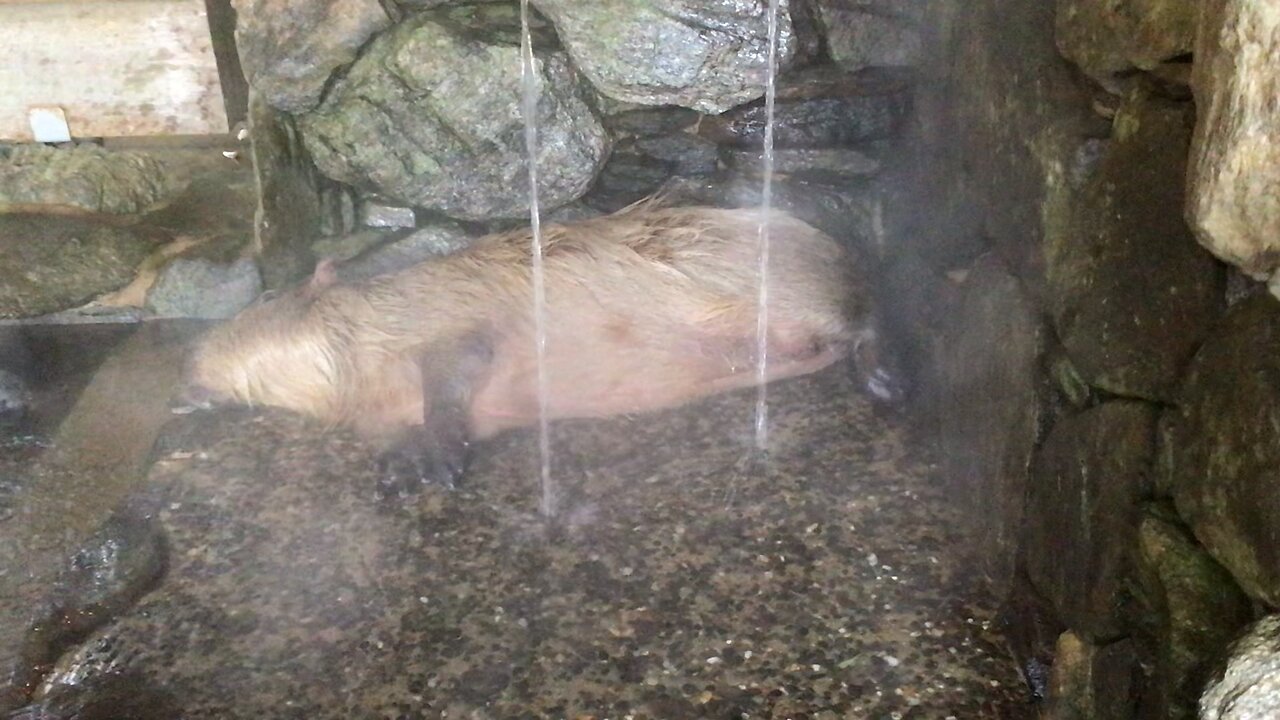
(424, 460)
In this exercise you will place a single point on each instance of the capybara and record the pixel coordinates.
(649, 308)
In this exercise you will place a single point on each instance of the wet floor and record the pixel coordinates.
(682, 579)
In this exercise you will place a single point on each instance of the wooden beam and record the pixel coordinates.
(117, 68)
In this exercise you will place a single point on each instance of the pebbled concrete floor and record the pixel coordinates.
(683, 578)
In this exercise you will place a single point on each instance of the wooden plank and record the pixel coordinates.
(119, 68)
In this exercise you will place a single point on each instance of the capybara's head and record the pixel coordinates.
(272, 353)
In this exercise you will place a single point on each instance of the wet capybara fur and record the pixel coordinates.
(649, 308)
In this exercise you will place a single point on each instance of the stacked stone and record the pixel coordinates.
(1094, 203)
(415, 112)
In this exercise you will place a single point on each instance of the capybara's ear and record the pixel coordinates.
(325, 275)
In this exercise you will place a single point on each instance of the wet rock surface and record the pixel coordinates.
(62, 489)
(50, 263)
(1085, 489)
(993, 340)
(879, 33)
(1092, 682)
(425, 243)
(1234, 180)
(678, 583)
(1134, 293)
(649, 121)
(819, 107)
(203, 288)
(1193, 609)
(708, 57)
(847, 210)
(826, 163)
(1222, 445)
(289, 48)
(1248, 687)
(1106, 38)
(83, 178)
(430, 116)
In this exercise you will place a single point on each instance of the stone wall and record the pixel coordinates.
(1100, 381)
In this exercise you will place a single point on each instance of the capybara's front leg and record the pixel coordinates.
(438, 451)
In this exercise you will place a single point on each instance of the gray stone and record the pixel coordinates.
(289, 48)
(646, 121)
(341, 248)
(429, 242)
(803, 161)
(708, 56)
(205, 289)
(337, 210)
(1192, 607)
(1092, 682)
(50, 263)
(1223, 445)
(818, 107)
(291, 196)
(1108, 37)
(848, 211)
(989, 407)
(1233, 200)
(38, 178)
(576, 210)
(685, 153)
(876, 33)
(626, 178)
(430, 116)
(1085, 487)
(378, 214)
(1248, 687)
(1133, 293)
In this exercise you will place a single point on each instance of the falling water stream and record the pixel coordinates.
(766, 200)
(530, 109)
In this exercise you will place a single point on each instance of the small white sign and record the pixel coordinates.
(49, 124)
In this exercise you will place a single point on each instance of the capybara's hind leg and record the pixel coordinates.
(438, 451)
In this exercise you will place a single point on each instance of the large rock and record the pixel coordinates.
(430, 115)
(820, 108)
(1223, 445)
(1107, 37)
(705, 56)
(872, 33)
(1248, 687)
(1133, 292)
(1092, 682)
(848, 209)
(289, 48)
(1083, 497)
(433, 241)
(38, 178)
(1193, 608)
(1234, 180)
(204, 288)
(990, 406)
(50, 263)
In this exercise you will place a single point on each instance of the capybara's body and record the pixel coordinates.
(648, 308)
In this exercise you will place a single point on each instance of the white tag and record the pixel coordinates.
(49, 124)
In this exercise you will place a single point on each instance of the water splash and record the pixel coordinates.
(766, 201)
(530, 109)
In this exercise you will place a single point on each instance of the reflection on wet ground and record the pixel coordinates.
(683, 579)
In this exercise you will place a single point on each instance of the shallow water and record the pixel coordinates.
(680, 580)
